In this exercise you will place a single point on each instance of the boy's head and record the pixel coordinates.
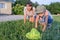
(40, 10)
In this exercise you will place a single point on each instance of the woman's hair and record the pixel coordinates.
(30, 4)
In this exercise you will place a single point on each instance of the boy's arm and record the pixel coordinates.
(36, 22)
(46, 19)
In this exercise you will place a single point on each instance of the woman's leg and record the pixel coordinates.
(31, 19)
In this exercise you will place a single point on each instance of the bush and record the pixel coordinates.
(18, 9)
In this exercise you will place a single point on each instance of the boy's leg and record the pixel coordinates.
(50, 21)
(48, 26)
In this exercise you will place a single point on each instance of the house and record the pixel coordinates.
(6, 6)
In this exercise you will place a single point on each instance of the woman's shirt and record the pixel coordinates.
(26, 12)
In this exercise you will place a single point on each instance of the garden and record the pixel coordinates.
(16, 30)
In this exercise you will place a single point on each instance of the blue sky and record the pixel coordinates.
(45, 1)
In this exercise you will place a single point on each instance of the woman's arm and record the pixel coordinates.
(24, 18)
(33, 10)
(25, 15)
(32, 15)
(36, 22)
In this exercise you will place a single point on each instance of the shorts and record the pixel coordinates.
(28, 17)
(50, 20)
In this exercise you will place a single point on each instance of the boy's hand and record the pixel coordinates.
(40, 18)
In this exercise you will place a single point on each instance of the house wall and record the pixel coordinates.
(7, 9)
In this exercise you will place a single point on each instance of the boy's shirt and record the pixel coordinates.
(49, 14)
(43, 18)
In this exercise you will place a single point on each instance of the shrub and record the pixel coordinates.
(54, 8)
(18, 9)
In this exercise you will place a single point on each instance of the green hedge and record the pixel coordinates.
(18, 9)
(54, 8)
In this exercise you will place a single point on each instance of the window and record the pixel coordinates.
(2, 5)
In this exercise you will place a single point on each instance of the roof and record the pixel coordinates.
(7, 0)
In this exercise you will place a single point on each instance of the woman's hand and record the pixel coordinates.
(25, 18)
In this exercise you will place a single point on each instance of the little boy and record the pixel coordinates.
(43, 17)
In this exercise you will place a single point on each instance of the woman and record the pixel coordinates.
(44, 17)
(29, 12)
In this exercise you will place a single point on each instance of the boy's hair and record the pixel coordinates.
(40, 9)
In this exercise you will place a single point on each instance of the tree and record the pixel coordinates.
(19, 6)
(35, 4)
(22, 2)
(54, 8)
(18, 9)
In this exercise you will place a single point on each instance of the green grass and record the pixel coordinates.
(54, 32)
(16, 30)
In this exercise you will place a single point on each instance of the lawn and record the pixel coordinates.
(16, 30)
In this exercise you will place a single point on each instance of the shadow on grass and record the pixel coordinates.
(53, 33)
